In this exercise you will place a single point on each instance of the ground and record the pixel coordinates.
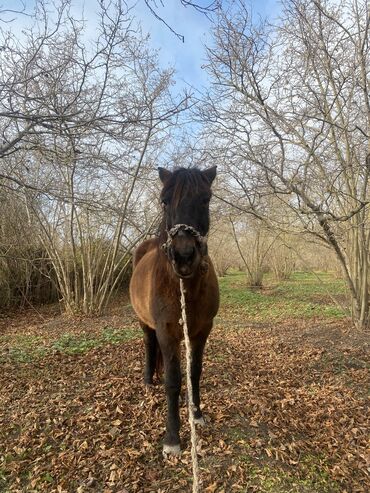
(285, 393)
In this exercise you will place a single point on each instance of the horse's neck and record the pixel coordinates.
(162, 232)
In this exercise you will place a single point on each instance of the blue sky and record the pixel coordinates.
(187, 58)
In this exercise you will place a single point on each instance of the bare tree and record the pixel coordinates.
(82, 124)
(294, 122)
(26, 274)
(205, 8)
(254, 243)
(222, 247)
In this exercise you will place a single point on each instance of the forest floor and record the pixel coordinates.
(285, 392)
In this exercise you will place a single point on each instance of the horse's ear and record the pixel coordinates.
(210, 174)
(164, 174)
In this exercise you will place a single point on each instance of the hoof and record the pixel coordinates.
(169, 450)
(147, 380)
(149, 388)
(200, 421)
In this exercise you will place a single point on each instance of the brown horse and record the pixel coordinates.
(180, 251)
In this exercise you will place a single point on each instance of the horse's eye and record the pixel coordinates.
(164, 202)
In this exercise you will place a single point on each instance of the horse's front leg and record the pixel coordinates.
(197, 348)
(172, 374)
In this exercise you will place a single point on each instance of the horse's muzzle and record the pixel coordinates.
(185, 255)
(185, 248)
(185, 259)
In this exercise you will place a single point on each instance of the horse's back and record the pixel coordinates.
(144, 248)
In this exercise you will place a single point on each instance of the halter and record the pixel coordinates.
(201, 241)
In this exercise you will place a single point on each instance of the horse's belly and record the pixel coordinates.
(141, 292)
(143, 314)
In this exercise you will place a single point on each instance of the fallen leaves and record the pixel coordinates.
(282, 411)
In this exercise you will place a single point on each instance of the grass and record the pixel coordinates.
(75, 344)
(302, 296)
(310, 476)
(24, 349)
(269, 479)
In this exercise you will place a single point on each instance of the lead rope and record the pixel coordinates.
(189, 387)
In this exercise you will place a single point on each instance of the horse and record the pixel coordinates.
(178, 251)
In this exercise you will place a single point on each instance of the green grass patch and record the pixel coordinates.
(309, 476)
(75, 344)
(302, 296)
(116, 336)
(25, 349)
(3, 478)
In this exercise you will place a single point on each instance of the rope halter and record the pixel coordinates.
(200, 240)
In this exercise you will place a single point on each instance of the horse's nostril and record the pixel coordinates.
(184, 255)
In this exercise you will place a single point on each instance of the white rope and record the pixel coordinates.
(189, 386)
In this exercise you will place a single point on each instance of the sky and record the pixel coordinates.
(186, 57)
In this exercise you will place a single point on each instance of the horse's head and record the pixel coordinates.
(185, 197)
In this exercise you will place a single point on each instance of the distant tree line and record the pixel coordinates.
(292, 128)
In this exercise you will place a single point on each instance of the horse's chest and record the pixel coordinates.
(202, 309)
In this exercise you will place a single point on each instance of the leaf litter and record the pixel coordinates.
(287, 409)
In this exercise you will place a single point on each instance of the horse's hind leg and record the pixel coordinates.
(197, 348)
(151, 351)
(170, 348)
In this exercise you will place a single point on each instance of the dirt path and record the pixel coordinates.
(287, 407)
